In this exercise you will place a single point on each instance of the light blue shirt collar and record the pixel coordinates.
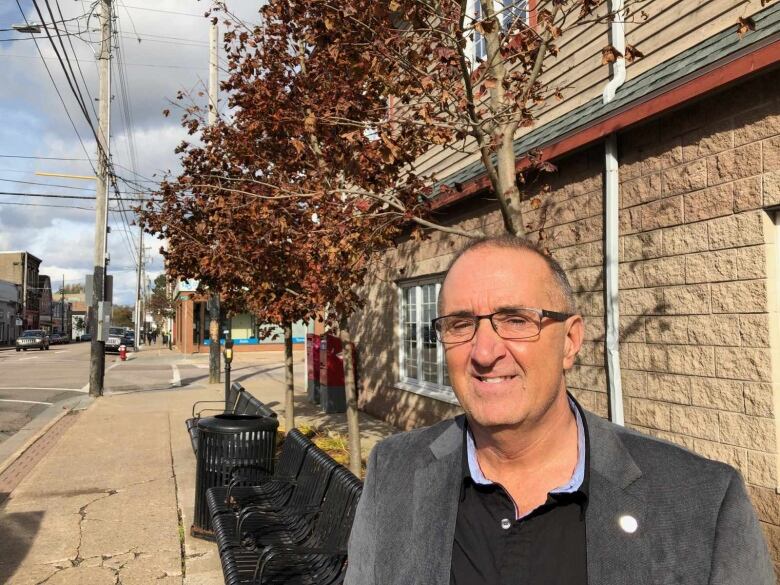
(569, 487)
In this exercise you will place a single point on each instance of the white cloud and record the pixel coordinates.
(35, 124)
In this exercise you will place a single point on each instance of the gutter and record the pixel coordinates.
(612, 222)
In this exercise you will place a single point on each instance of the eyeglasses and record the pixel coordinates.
(520, 323)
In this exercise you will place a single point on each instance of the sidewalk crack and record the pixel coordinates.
(182, 551)
(77, 560)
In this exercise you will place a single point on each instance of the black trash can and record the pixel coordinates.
(225, 441)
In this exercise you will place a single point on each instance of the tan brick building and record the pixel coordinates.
(697, 126)
(21, 268)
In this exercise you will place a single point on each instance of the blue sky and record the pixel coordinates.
(171, 56)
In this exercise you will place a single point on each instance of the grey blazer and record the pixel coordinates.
(695, 524)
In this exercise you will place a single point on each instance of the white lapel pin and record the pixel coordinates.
(628, 524)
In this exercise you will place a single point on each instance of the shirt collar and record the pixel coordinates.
(577, 479)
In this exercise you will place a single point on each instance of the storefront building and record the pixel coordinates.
(191, 325)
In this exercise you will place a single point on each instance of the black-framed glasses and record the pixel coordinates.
(510, 324)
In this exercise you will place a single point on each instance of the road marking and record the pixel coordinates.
(176, 380)
(202, 366)
(26, 401)
(35, 357)
(57, 389)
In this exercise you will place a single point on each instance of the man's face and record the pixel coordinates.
(500, 382)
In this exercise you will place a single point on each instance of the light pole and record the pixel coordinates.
(228, 360)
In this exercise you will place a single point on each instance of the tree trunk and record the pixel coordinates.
(213, 307)
(289, 385)
(350, 388)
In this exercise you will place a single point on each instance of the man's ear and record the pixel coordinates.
(575, 333)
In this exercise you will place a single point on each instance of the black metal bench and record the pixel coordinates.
(287, 529)
(239, 401)
(303, 496)
(321, 557)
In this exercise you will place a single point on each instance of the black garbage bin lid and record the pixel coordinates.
(237, 423)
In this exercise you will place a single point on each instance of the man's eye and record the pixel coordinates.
(461, 324)
(514, 320)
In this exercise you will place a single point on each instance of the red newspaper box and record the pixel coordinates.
(332, 395)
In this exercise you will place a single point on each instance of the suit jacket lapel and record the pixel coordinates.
(617, 518)
(435, 502)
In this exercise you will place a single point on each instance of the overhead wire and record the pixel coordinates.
(129, 123)
(68, 72)
(78, 66)
(46, 184)
(57, 90)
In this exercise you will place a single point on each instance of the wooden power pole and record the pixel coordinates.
(98, 356)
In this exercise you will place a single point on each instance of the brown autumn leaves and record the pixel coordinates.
(283, 204)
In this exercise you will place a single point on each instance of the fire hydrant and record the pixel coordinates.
(123, 352)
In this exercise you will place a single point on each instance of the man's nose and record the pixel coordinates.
(487, 346)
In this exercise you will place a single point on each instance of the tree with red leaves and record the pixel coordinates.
(282, 204)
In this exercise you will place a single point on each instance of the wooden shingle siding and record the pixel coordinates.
(670, 28)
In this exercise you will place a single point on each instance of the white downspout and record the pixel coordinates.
(612, 220)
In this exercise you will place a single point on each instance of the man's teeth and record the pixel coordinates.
(494, 380)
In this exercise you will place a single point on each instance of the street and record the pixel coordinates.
(33, 381)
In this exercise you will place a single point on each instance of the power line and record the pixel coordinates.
(75, 90)
(54, 196)
(47, 205)
(43, 157)
(163, 11)
(153, 65)
(57, 89)
(78, 66)
(46, 184)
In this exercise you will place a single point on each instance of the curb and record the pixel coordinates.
(23, 439)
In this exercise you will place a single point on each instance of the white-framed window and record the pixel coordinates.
(510, 12)
(421, 360)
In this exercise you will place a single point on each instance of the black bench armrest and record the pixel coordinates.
(288, 555)
(224, 409)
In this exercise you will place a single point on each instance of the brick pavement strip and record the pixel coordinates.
(18, 470)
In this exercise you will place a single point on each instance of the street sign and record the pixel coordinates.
(19, 322)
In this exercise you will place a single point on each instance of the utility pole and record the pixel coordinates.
(98, 356)
(213, 302)
(138, 312)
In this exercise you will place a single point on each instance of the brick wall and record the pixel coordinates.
(697, 254)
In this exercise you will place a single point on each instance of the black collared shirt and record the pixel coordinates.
(546, 547)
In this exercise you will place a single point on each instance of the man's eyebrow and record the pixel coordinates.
(461, 313)
(510, 308)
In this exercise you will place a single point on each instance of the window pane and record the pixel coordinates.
(429, 354)
(514, 12)
(410, 332)
(480, 44)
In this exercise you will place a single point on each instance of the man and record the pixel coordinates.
(527, 488)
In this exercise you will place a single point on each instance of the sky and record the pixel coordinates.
(37, 135)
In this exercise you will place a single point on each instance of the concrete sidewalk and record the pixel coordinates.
(112, 501)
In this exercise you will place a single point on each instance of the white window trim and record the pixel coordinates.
(498, 6)
(437, 391)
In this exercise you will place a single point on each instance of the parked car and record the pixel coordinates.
(32, 339)
(130, 339)
(115, 338)
(55, 339)
(85, 337)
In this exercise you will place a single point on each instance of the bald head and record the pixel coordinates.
(526, 257)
